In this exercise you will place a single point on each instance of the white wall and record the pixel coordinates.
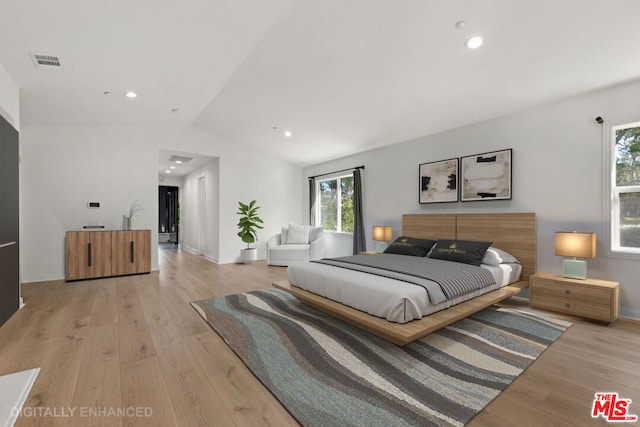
(65, 167)
(558, 172)
(9, 98)
(171, 181)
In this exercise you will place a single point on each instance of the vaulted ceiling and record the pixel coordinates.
(341, 76)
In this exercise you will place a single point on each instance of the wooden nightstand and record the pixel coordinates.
(591, 298)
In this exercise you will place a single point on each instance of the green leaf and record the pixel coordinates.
(249, 222)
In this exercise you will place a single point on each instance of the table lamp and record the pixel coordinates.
(382, 234)
(575, 244)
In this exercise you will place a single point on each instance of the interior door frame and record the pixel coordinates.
(202, 213)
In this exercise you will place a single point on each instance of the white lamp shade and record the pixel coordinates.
(382, 232)
(575, 244)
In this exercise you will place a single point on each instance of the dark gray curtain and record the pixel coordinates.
(312, 202)
(359, 242)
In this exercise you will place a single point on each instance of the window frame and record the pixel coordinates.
(613, 192)
(318, 204)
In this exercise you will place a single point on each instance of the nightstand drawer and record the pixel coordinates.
(576, 292)
(575, 307)
(591, 298)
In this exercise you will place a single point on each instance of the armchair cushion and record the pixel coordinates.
(298, 234)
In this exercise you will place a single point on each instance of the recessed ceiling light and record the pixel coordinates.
(107, 93)
(172, 167)
(287, 133)
(167, 171)
(131, 94)
(474, 42)
(179, 162)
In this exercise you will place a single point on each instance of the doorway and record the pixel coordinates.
(197, 177)
(168, 214)
(202, 215)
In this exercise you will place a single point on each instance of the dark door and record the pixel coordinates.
(168, 214)
(9, 222)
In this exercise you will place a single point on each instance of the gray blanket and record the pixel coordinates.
(443, 280)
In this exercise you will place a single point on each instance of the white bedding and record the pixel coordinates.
(391, 299)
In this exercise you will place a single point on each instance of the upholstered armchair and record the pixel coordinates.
(296, 243)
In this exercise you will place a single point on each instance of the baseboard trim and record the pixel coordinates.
(189, 249)
(229, 261)
(212, 259)
(630, 313)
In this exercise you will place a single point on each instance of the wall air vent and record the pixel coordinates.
(181, 159)
(46, 62)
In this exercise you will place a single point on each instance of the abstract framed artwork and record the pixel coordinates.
(438, 181)
(486, 176)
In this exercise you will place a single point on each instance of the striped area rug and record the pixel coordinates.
(329, 373)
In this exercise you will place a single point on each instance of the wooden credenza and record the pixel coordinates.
(93, 254)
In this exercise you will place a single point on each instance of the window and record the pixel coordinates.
(335, 203)
(625, 188)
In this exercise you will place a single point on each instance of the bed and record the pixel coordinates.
(514, 233)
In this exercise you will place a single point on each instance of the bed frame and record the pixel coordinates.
(512, 232)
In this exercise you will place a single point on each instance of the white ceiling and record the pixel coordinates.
(179, 170)
(343, 76)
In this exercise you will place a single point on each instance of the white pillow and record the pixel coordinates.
(495, 256)
(315, 233)
(298, 234)
(283, 235)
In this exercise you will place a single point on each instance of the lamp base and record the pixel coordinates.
(381, 246)
(574, 269)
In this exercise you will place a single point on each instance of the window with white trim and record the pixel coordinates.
(624, 143)
(334, 203)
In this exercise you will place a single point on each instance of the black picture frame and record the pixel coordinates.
(486, 176)
(438, 181)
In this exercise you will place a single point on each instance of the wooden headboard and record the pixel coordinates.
(511, 232)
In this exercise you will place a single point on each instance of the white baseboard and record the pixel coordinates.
(195, 252)
(236, 260)
(630, 313)
(189, 249)
(229, 261)
(212, 259)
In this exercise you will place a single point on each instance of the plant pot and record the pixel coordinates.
(249, 256)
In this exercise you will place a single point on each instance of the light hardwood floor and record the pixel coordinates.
(134, 344)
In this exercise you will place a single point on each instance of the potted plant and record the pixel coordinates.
(248, 225)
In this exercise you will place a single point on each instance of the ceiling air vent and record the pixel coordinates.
(181, 159)
(46, 62)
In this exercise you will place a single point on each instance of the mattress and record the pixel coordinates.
(390, 299)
